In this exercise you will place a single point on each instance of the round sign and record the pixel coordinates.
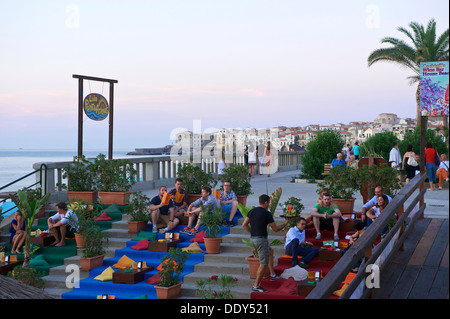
(96, 107)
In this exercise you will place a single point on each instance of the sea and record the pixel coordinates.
(14, 164)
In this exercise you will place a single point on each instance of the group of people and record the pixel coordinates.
(349, 156)
(253, 157)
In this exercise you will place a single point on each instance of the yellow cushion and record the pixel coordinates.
(340, 291)
(124, 263)
(193, 248)
(106, 275)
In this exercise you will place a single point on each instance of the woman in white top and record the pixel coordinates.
(376, 210)
(252, 159)
(268, 158)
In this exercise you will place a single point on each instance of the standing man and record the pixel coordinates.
(256, 224)
(355, 149)
(159, 210)
(297, 246)
(394, 156)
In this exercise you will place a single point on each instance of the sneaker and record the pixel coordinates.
(192, 231)
(319, 236)
(440, 187)
(336, 237)
(303, 265)
(259, 289)
(185, 230)
(155, 229)
(274, 277)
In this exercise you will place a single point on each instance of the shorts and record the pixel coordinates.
(261, 245)
(226, 208)
(326, 223)
(70, 232)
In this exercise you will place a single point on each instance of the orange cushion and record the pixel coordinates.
(159, 268)
(349, 278)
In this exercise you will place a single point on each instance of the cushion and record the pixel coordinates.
(104, 216)
(297, 272)
(38, 261)
(124, 263)
(289, 287)
(199, 238)
(159, 268)
(340, 291)
(154, 280)
(114, 208)
(349, 278)
(141, 245)
(193, 248)
(145, 235)
(106, 275)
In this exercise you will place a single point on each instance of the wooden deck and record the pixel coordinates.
(421, 270)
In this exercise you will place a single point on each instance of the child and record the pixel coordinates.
(359, 228)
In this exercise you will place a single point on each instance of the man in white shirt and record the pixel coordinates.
(442, 171)
(66, 227)
(394, 156)
(296, 245)
(379, 191)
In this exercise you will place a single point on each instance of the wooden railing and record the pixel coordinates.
(387, 248)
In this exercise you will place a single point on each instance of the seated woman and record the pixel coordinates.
(377, 209)
(17, 231)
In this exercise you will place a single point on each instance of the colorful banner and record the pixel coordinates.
(434, 88)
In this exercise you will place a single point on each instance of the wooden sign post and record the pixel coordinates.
(81, 78)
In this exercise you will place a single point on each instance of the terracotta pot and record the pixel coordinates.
(136, 227)
(212, 245)
(88, 197)
(253, 265)
(119, 198)
(91, 263)
(242, 199)
(79, 240)
(171, 292)
(345, 205)
(193, 197)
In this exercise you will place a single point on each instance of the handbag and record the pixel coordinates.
(437, 161)
(412, 161)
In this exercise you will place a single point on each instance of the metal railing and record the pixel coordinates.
(388, 246)
(40, 174)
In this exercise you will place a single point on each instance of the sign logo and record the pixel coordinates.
(96, 107)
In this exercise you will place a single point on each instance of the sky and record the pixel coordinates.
(223, 64)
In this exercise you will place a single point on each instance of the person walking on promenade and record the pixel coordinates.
(442, 171)
(395, 158)
(409, 158)
(268, 158)
(430, 164)
(256, 224)
(355, 149)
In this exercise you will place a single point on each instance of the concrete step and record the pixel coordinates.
(188, 291)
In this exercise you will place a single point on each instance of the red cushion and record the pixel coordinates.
(104, 216)
(154, 280)
(199, 238)
(289, 286)
(141, 245)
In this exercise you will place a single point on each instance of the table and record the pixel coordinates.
(43, 241)
(130, 276)
(163, 246)
(304, 287)
(331, 255)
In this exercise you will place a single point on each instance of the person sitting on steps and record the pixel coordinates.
(297, 246)
(327, 216)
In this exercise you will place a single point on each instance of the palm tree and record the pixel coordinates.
(424, 48)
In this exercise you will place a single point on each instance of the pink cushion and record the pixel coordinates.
(199, 238)
(141, 245)
(154, 280)
(104, 216)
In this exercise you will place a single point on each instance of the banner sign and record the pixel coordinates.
(96, 107)
(434, 88)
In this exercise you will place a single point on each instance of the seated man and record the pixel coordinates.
(179, 197)
(195, 209)
(228, 201)
(379, 191)
(326, 216)
(337, 161)
(66, 227)
(296, 245)
(442, 171)
(159, 210)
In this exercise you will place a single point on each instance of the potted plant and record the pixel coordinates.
(29, 210)
(341, 184)
(114, 179)
(194, 178)
(138, 210)
(212, 221)
(80, 181)
(216, 287)
(172, 265)
(292, 208)
(84, 219)
(94, 247)
(35, 194)
(237, 175)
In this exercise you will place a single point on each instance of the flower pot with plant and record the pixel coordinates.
(216, 287)
(114, 179)
(80, 181)
(292, 208)
(35, 194)
(172, 264)
(212, 222)
(94, 247)
(194, 178)
(138, 210)
(341, 184)
(239, 179)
